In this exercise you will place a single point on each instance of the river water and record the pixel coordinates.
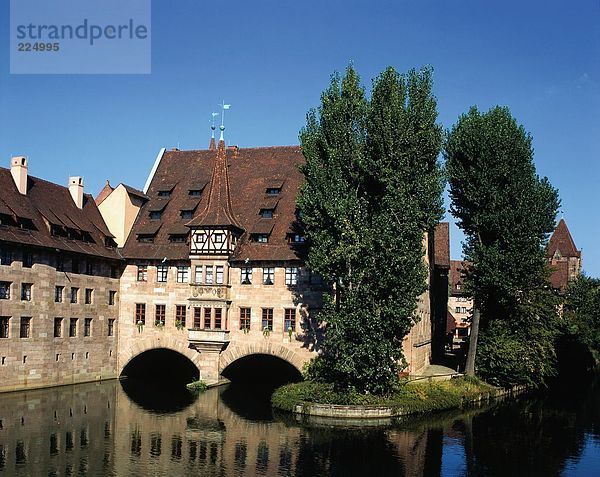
(129, 429)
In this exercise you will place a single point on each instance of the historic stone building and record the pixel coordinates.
(460, 305)
(563, 257)
(59, 286)
(210, 269)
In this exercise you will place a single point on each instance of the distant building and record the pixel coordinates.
(563, 257)
(460, 305)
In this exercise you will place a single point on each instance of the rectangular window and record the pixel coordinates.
(218, 238)
(140, 313)
(219, 274)
(111, 327)
(458, 309)
(289, 321)
(58, 293)
(245, 318)
(89, 268)
(268, 275)
(142, 273)
(4, 321)
(164, 193)
(262, 238)
(197, 318)
(72, 327)
(89, 293)
(26, 291)
(266, 213)
(246, 276)
(27, 259)
(207, 317)
(273, 190)
(183, 274)
(181, 315)
(159, 316)
(112, 297)
(155, 215)
(218, 318)
(4, 290)
(58, 327)
(87, 327)
(75, 265)
(74, 294)
(186, 214)
(5, 256)
(198, 274)
(25, 327)
(267, 319)
(209, 275)
(162, 271)
(291, 276)
(464, 309)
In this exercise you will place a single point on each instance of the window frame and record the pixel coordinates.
(219, 274)
(179, 316)
(4, 327)
(183, 274)
(87, 327)
(73, 325)
(25, 327)
(142, 273)
(5, 287)
(26, 291)
(292, 275)
(162, 273)
(246, 275)
(89, 296)
(268, 276)
(267, 319)
(110, 330)
(74, 295)
(289, 319)
(140, 313)
(245, 317)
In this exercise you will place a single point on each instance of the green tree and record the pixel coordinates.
(373, 188)
(506, 212)
(582, 313)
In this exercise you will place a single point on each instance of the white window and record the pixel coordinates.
(162, 272)
(183, 274)
(198, 274)
(246, 276)
(291, 276)
(219, 274)
(218, 238)
(209, 275)
(268, 275)
(201, 238)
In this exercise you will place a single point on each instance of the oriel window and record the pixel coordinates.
(198, 274)
(198, 318)
(209, 275)
(219, 274)
(207, 318)
(218, 318)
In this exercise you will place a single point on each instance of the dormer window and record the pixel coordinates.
(177, 238)
(164, 193)
(195, 193)
(187, 214)
(260, 238)
(266, 213)
(273, 190)
(145, 238)
(155, 215)
(296, 238)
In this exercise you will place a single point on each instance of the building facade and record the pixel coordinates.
(563, 258)
(59, 284)
(460, 306)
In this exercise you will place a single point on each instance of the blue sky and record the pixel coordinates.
(271, 60)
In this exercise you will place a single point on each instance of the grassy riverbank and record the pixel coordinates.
(410, 398)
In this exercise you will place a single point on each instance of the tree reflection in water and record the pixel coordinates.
(125, 429)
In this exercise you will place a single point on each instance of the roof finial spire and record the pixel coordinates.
(212, 145)
(222, 128)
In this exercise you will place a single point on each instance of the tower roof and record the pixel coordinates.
(562, 241)
(218, 210)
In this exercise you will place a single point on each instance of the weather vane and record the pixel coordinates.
(224, 107)
(213, 127)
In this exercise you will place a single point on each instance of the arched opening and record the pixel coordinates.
(155, 380)
(253, 380)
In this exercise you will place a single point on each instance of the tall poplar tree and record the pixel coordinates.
(373, 188)
(507, 213)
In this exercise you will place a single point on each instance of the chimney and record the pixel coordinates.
(18, 169)
(76, 190)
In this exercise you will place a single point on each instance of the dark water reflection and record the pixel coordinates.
(125, 429)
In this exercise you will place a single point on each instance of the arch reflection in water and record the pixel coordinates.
(96, 429)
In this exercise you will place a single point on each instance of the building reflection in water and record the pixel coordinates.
(115, 428)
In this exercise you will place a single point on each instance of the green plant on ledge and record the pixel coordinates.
(266, 331)
(180, 325)
(140, 326)
(197, 386)
(290, 332)
(246, 330)
(159, 324)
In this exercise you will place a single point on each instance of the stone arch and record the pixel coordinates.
(146, 344)
(236, 351)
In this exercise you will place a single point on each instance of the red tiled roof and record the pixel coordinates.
(442, 245)
(52, 203)
(457, 270)
(245, 174)
(562, 241)
(104, 193)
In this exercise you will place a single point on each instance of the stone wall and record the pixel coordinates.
(41, 359)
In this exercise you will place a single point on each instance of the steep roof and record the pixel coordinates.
(442, 245)
(457, 271)
(562, 241)
(104, 193)
(47, 204)
(217, 210)
(249, 172)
